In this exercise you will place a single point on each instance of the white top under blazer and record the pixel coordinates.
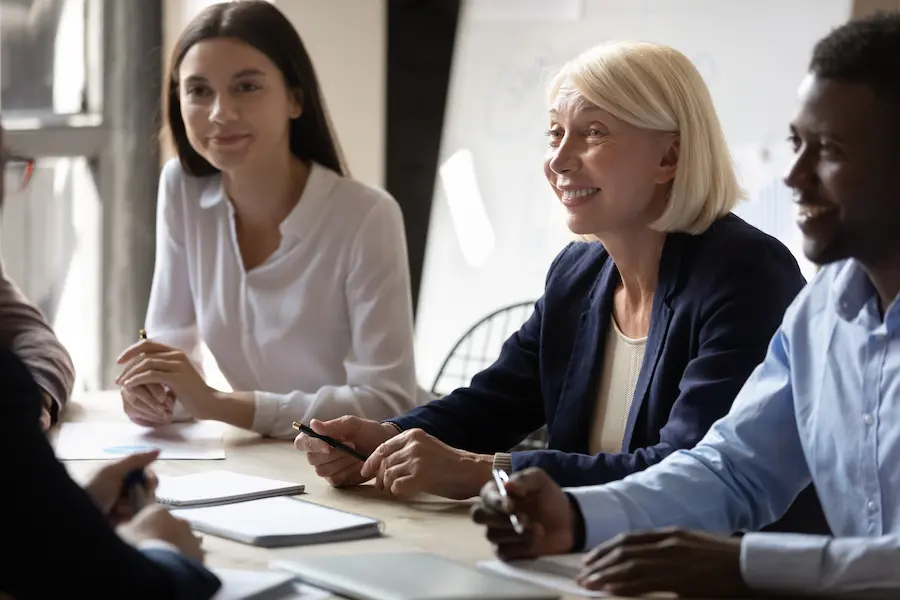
(323, 328)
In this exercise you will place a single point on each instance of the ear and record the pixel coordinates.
(668, 165)
(296, 100)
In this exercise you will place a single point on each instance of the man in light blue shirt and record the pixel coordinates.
(822, 407)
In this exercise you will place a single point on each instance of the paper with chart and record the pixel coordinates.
(101, 441)
(552, 572)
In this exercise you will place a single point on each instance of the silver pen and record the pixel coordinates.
(500, 478)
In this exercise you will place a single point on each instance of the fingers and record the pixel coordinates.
(374, 464)
(633, 577)
(145, 403)
(142, 347)
(342, 428)
(629, 544)
(336, 465)
(159, 363)
(311, 445)
(350, 475)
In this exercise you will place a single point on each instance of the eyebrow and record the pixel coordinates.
(242, 73)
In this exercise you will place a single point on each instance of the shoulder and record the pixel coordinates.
(734, 254)
(176, 187)
(358, 201)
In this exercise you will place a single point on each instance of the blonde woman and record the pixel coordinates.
(643, 337)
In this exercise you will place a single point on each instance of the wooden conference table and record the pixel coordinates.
(439, 528)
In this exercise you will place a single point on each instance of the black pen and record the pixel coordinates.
(135, 489)
(330, 441)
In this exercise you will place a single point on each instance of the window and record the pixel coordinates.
(50, 57)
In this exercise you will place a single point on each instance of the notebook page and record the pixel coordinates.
(280, 516)
(210, 486)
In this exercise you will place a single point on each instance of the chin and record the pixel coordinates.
(822, 252)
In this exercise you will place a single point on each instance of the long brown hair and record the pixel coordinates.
(261, 25)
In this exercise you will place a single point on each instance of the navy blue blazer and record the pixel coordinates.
(720, 297)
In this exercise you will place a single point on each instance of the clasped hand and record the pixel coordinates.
(153, 377)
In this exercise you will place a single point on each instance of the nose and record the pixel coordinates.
(224, 109)
(801, 170)
(563, 159)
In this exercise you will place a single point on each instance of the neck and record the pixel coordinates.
(885, 277)
(265, 194)
(637, 255)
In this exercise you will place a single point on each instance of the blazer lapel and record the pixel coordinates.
(660, 316)
(577, 398)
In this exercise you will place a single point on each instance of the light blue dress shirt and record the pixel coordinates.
(824, 406)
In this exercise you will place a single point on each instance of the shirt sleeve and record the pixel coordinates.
(381, 378)
(743, 475)
(821, 565)
(25, 330)
(171, 319)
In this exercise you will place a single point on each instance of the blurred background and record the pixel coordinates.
(439, 101)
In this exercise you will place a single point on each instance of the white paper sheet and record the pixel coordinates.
(546, 572)
(104, 441)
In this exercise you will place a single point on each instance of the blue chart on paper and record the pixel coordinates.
(128, 449)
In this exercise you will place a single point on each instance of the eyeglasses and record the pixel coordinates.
(17, 171)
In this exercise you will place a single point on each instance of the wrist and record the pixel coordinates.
(576, 525)
(476, 469)
(392, 429)
(234, 408)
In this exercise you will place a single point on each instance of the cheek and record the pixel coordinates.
(196, 122)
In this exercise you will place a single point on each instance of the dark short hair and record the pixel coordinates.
(261, 25)
(866, 51)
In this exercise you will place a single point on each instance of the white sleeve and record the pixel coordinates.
(381, 377)
(170, 312)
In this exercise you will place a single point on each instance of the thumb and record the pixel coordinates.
(528, 482)
(341, 428)
(139, 460)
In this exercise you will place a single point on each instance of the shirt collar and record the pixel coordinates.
(318, 187)
(856, 294)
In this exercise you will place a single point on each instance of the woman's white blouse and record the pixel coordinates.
(322, 329)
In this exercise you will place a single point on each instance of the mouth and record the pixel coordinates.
(576, 197)
(228, 140)
(811, 215)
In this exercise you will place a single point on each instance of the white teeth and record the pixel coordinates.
(810, 212)
(570, 194)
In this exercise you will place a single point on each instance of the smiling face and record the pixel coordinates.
(235, 104)
(846, 172)
(611, 176)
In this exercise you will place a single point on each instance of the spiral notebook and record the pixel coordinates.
(212, 488)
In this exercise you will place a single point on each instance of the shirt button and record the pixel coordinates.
(871, 506)
(868, 419)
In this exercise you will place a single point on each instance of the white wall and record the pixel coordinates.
(752, 55)
(347, 40)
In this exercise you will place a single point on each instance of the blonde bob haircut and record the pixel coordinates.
(655, 87)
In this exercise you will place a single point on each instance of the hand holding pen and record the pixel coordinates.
(528, 515)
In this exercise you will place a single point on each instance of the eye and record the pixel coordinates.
(829, 149)
(594, 132)
(196, 91)
(248, 86)
(555, 136)
(795, 141)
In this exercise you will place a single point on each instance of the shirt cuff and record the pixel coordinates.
(503, 461)
(157, 545)
(604, 517)
(782, 562)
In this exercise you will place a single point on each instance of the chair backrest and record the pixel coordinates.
(477, 349)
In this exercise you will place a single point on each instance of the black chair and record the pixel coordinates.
(477, 349)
